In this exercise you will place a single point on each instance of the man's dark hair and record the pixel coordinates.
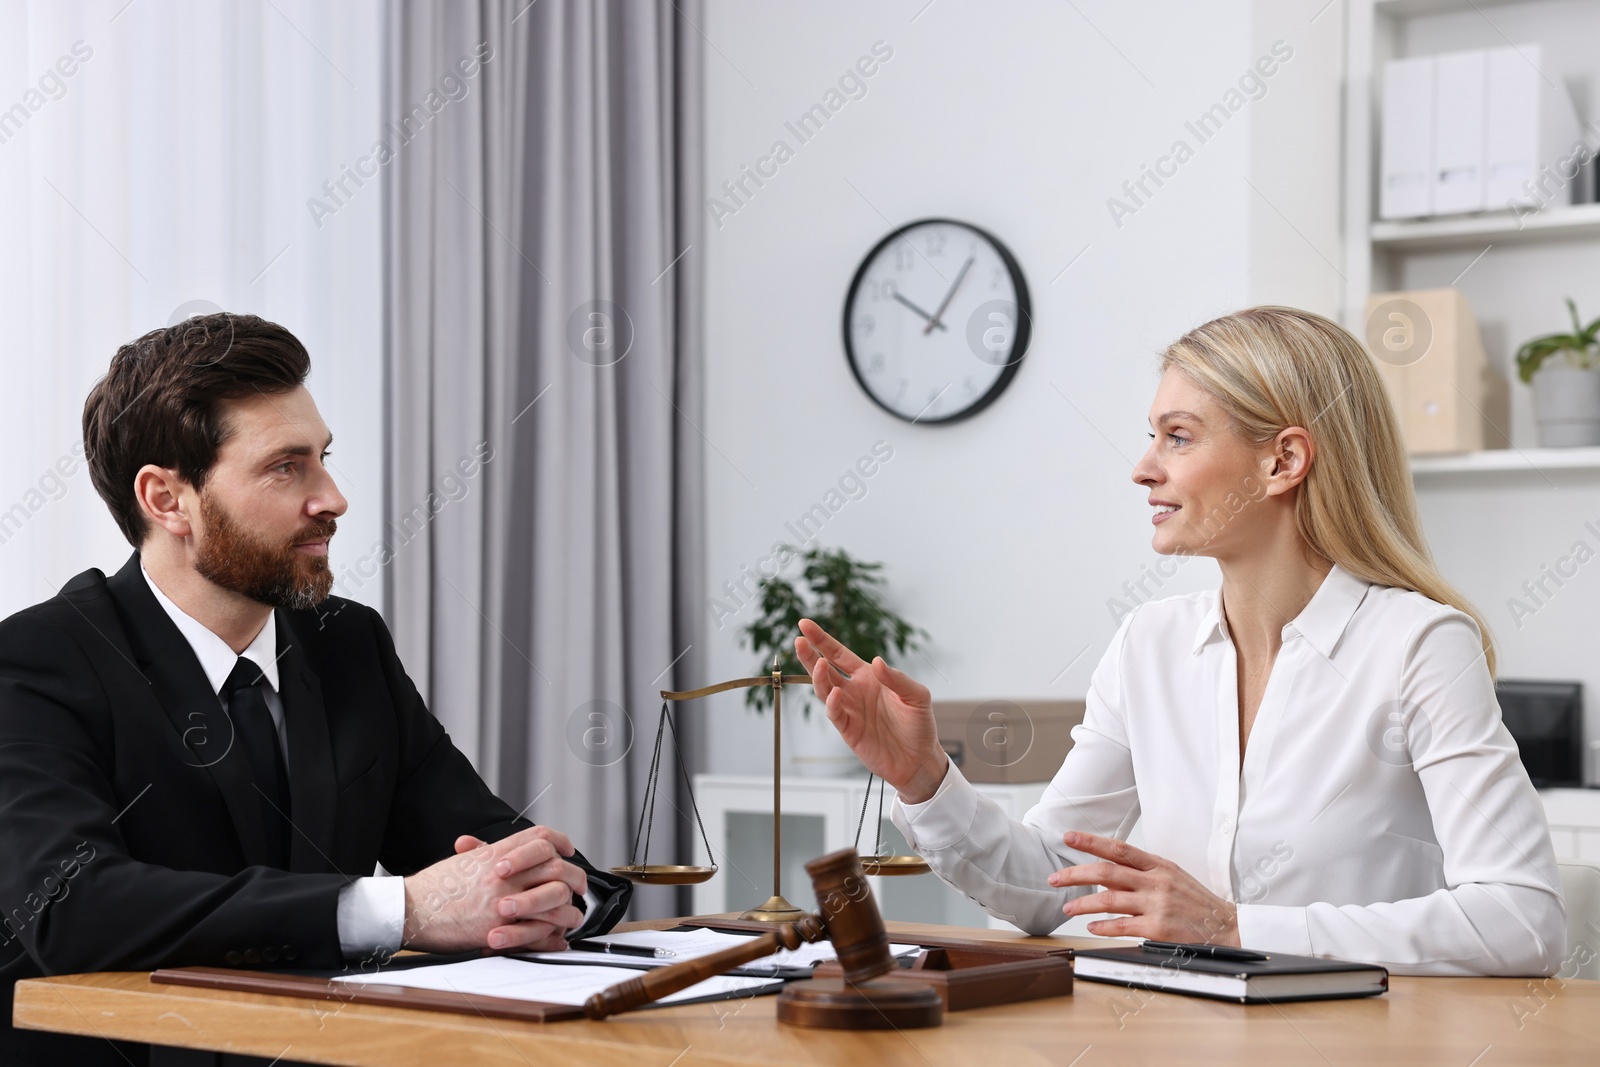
(159, 402)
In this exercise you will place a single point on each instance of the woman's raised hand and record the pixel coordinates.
(883, 715)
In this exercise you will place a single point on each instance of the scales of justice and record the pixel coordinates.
(639, 869)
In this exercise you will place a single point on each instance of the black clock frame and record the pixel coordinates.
(1019, 346)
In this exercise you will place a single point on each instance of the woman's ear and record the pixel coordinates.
(1289, 459)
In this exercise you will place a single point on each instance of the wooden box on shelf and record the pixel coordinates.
(1427, 348)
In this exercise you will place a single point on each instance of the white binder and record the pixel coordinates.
(1531, 129)
(1405, 183)
(1460, 88)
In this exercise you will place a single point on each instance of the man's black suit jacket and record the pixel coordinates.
(130, 831)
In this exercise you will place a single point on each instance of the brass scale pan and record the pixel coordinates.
(691, 874)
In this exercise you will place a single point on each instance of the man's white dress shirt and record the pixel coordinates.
(1381, 813)
(372, 911)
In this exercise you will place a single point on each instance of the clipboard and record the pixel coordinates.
(321, 985)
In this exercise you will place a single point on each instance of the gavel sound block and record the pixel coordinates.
(861, 999)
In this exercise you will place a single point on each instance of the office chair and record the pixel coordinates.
(1580, 885)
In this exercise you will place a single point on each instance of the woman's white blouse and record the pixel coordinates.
(1381, 814)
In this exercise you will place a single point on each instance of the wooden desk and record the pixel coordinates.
(1449, 1021)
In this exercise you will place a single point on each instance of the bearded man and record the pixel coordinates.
(205, 758)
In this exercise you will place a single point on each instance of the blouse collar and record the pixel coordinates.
(1321, 622)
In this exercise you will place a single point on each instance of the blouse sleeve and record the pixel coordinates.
(1003, 864)
(1501, 910)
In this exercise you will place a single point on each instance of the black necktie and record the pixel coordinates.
(253, 731)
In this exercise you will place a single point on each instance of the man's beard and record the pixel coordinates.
(276, 575)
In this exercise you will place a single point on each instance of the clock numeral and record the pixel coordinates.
(900, 393)
(936, 242)
(875, 364)
(998, 278)
(865, 324)
(883, 290)
(905, 257)
(971, 388)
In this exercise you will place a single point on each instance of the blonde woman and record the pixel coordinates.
(1313, 751)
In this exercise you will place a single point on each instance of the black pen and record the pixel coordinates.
(1216, 952)
(621, 950)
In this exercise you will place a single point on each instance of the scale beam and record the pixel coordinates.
(737, 683)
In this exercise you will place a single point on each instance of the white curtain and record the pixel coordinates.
(160, 156)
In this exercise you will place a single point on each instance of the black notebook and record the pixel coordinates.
(1241, 975)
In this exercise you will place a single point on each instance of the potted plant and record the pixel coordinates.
(1566, 394)
(845, 597)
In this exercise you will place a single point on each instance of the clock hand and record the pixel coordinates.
(947, 297)
(919, 311)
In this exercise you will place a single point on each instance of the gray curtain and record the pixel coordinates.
(543, 486)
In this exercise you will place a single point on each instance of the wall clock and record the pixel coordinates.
(937, 321)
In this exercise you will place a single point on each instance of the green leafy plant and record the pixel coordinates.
(845, 597)
(1581, 347)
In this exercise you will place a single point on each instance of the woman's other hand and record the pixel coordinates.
(1155, 897)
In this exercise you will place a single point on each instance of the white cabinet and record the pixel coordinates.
(819, 815)
(1574, 816)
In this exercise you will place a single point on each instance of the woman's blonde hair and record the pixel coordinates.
(1275, 367)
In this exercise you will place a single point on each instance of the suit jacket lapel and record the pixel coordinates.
(311, 772)
(183, 691)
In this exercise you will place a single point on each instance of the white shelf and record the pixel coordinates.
(1410, 8)
(1526, 460)
(1502, 227)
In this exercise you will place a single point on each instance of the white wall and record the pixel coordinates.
(1006, 535)
(1296, 157)
(174, 165)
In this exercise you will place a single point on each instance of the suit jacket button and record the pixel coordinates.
(233, 959)
(252, 956)
(289, 953)
(270, 954)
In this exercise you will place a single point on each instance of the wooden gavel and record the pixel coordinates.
(848, 916)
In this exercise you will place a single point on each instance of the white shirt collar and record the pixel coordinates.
(1321, 622)
(216, 658)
